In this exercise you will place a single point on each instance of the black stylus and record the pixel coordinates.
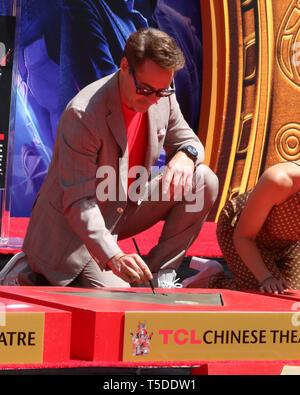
(138, 251)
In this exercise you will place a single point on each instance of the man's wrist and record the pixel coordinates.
(190, 152)
(118, 256)
(113, 260)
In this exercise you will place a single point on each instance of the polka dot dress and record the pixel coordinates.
(278, 242)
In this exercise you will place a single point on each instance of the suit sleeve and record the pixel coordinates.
(79, 146)
(179, 133)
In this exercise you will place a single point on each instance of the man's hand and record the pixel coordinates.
(177, 178)
(130, 268)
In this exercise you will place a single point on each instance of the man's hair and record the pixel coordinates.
(156, 45)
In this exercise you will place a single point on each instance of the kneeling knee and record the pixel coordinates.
(207, 180)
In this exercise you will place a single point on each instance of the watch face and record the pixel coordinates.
(191, 150)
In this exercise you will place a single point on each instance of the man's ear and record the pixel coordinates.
(124, 64)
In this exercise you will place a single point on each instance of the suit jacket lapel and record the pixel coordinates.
(116, 124)
(115, 118)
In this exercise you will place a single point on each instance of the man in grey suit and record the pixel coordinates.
(100, 184)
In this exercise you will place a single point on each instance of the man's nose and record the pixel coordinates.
(154, 98)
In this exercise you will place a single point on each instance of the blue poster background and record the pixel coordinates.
(65, 45)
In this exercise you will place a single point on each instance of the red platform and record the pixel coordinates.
(212, 331)
(28, 332)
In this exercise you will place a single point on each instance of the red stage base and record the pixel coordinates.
(207, 331)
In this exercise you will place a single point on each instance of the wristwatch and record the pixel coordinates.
(190, 151)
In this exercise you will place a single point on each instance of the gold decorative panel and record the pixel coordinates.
(288, 43)
(250, 112)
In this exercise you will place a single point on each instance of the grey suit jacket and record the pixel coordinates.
(69, 226)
